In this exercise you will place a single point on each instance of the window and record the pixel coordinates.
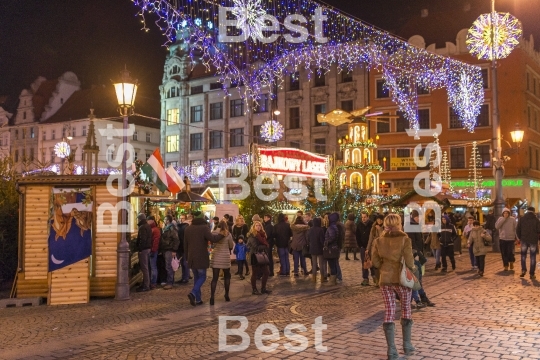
(403, 153)
(383, 125)
(173, 92)
(295, 144)
(31, 154)
(195, 141)
(262, 104)
(172, 143)
(420, 90)
(457, 158)
(52, 155)
(346, 76)
(17, 134)
(257, 139)
(135, 155)
(148, 137)
(148, 156)
(135, 136)
(172, 163)
(237, 137)
(421, 155)
(24, 133)
(382, 90)
(528, 81)
(454, 119)
(530, 156)
(215, 86)
(44, 135)
(73, 131)
(485, 78)
(84, 130)
(483, 117)
(294, 81)
(485, 156)
(294, 118)
(196, 113)
(175, 70)
(63, 132)
(320, 79)
(216, 139)
(24, 115)
(401, 122)
(110, 152)
(173, 116)
(423, 118)
(237, 108)
(17, 156)
(33, 135)
(319, 109)
(381, 155)
(529, 116)
(320, 146)
(216, 111)
(347, 105)
(196, 90)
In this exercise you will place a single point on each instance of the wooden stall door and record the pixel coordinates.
(70, 285)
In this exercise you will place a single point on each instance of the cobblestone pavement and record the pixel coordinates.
(494, 317)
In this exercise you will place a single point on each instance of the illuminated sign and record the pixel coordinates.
(534, 184)
(287, 161)
(404, 162)
(489, 183)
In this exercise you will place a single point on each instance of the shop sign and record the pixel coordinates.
(489, 183)
(534, 184)
(404, 162)
(288, 161)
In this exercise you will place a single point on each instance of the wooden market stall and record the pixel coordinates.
(64, 211)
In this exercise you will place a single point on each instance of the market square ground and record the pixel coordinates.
(494, 317)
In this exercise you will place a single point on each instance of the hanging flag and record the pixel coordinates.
(153, 169)
(174, 180)
(70, 234)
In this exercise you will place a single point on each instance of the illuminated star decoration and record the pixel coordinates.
(250, 15)
(62, 149)
(507, 31)
(272, 131)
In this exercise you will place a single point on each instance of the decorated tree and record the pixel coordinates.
(475, 171)
(445, 172)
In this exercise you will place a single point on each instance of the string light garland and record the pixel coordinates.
(272, 131)
(338, 40)
(493, 36)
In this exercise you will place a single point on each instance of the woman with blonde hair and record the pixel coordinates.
(258, 242)
(221, 260)
(387, 252)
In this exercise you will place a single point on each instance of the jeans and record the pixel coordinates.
(448, 251)
(185, 269)
(332, 264)
(318, 261)
(143, 263)
(284, 260)
(241, 264)
(471, 256)
(167, 255)
(533, 251)
(507, 251)
(199, 277)
(153, 268)
(437, 255)
(365, 272)
(481, 262)
(420, 292)
(298, 257)
(338, 268)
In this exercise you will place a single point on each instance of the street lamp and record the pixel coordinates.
(126, 90)
(517, 135)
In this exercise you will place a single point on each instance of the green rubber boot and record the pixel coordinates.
(389, 333)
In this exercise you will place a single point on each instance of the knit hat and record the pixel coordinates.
(141, 216)
(507, 210)
(256, 218)
(198, 215)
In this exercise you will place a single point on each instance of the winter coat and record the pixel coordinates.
(239, 230)
(315, 237)
(507, 227)
(156, 236)
(169, 239)
(181, 229)
(341, 239)
(350, 235)
(258, 247)
(386, 253)
(433, 240)
(269, 230)
(362, 233)
(476, 240)
(240, 251)
(299, 236)
(447, 235)
(332, 235)
(221, 254)
(416, 239)
(197, 235)
(490, 221)
(528, 228)
(282, 234)
(144, 236)
(375, 232)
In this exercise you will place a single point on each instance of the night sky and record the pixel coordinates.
(96, 38)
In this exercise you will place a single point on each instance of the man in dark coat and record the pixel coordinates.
(363, 229)
(196, 238)
(144, 246)
(269, 230)
(282, 235)
(185, 221)
(416, 237)
(490, 222)
(315, 238)
(527, 231)
(168, 246)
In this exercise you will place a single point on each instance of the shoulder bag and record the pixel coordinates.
(406, 277)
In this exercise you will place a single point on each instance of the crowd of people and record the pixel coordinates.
(383, 246)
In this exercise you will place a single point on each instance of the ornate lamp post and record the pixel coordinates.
(126, 90)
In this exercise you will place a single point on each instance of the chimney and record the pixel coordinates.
(424, 13)
(467, 7)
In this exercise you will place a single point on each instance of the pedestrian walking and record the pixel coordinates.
(479, 241)
(258, 243)
(282, 235)
(331, 240)
(197, 235)
(376, 231)
(240, 228)
(527, 231)
(466, 231)
(299, 240)
(350, 237)
(447, 236)
(269, 229)
(156, 236)
(416, 236)
(341, 241)
(507, 226)
(432, 239)
(168, 245)
(144, 246)
(363, 231)
(490, 224)
(185, 221)
(315, 238)
(387, 252)
(240, 250)
(221, 260)
(420, 297)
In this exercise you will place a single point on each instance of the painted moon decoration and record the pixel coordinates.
(55, 261)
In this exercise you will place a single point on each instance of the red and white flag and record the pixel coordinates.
(174, 181)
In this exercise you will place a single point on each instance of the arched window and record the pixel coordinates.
(356, 156)
(363, 133)
(370, 180)
(351, 133)
(356, 134)
(346, 158)
(173, 92)
(356, 180)
(342, 180)
(367, 155)
(174, 70)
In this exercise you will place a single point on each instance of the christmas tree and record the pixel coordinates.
(445, 172)
(475, 171)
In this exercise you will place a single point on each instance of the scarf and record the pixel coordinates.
(261, 238)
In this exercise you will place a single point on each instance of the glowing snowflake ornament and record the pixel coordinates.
(489, 42)
(250, 15)
(272, 131)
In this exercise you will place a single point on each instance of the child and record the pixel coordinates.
(240, 251)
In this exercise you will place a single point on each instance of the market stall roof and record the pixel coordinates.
(413, 196)
(190, 196)
(206, 193)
